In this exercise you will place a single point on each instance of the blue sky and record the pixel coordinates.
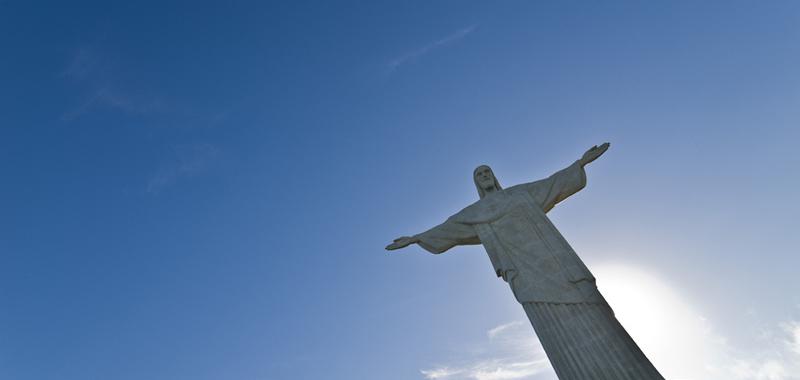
(199, 190)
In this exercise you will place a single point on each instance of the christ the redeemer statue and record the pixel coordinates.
(576, 326)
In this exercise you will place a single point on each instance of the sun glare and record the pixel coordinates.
(671, 334)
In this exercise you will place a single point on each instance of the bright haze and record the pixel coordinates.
(197, 190)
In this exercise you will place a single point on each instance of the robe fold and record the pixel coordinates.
(575, 325)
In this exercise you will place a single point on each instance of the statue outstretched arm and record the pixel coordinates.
(559, 186)
(440, 238)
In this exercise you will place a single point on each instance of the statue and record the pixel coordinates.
(576, 326)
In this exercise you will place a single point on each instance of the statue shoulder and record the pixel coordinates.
(465, 212)
(486, 210)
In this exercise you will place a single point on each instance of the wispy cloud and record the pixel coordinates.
(500, 329)
(419, 52)
(441, 373)
(88, 72)
(769, 356)
(792, 329)
(105, 97)
(187, 161)
(770, 369)
(513, 353)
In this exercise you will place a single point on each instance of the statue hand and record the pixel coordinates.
(593, 153)
(402, 242)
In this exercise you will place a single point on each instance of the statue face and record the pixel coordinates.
(484, 177)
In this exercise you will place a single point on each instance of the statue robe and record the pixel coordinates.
(525, 248)
(577, 328)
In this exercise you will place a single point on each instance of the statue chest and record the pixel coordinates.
(498, 207)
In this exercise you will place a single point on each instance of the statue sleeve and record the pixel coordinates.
(447, 235)
(554, 189)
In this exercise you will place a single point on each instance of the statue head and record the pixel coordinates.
(485, 180)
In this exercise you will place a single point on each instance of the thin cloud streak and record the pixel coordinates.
(500, 329)
(86, 70)
(416, 54)
(189, 161)
(513, 353)
(440, 373)
(107, 98)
